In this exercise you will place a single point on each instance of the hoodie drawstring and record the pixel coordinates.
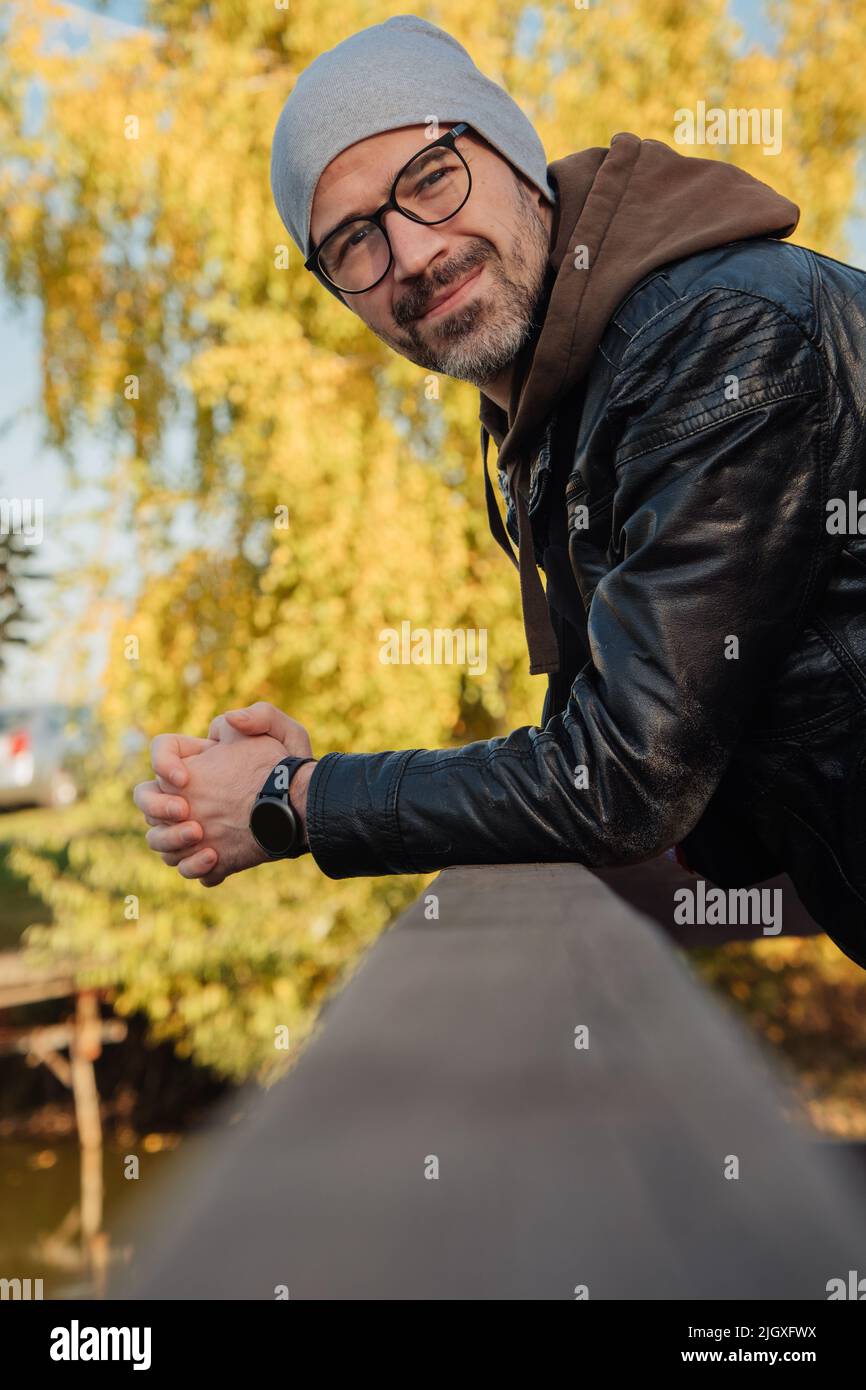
(540, 637)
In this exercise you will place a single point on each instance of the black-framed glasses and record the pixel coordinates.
(430, 187)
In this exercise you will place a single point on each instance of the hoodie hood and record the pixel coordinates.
(635, 206)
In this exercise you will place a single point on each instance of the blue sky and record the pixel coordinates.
(42, 674)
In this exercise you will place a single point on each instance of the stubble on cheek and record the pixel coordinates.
(430, 344)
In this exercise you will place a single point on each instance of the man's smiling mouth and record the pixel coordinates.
(451, 298)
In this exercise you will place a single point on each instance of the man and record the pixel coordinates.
(679, 403)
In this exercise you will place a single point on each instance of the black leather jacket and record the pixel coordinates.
(712, 625)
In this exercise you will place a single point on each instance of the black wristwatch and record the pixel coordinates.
(274, 823)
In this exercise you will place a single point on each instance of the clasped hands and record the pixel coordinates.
(198, 805)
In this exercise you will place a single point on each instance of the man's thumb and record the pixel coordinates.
(264, 718)
(249, 722)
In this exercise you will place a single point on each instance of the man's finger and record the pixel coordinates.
(174, 860)
(167, 752)
(197, 864)
(212, 880)
(265, 718)
(171, 838)
(221, 731)
(157, 806)
(166, 786)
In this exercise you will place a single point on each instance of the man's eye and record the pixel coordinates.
(350, 241)
(431, 180)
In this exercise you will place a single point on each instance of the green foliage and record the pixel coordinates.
(15, 560)
(222, 972)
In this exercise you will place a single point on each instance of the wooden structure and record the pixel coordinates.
(82, 1036)
(524, 1092)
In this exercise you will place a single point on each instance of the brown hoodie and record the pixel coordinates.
(635, 206)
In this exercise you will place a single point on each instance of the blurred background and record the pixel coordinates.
(234, 488)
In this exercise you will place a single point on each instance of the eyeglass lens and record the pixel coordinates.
(431, 188)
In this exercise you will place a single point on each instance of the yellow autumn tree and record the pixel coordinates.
(326, 489)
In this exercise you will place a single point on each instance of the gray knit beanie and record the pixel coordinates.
(399, 73)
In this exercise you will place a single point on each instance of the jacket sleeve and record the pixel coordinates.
(716, 425)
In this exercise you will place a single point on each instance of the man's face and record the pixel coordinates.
(489, 258)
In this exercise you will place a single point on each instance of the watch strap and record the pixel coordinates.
(279, 781)
(278, 788)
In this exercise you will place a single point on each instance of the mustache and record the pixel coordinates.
(416, 302)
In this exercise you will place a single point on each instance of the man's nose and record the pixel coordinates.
(413, 244)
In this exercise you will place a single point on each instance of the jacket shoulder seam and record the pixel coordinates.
(710, 424)
(722, 291)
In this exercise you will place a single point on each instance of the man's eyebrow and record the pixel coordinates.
(423, 160)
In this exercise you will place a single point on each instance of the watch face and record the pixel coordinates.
(274, 826)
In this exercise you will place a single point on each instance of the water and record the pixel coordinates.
(39, 1189)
